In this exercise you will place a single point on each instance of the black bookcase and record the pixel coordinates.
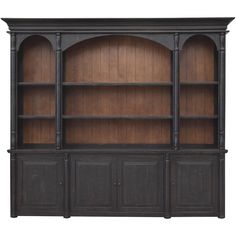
(118, 117)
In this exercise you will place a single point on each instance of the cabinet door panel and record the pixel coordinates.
(141, 184)
(40, 184)
(91, 180)
(194, 183)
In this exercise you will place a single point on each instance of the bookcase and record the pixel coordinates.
(120, 117)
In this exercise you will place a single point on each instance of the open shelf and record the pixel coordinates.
(128, 117)
(200, 83)
(202, 117)
(36, 84)
(117, 132)
(36, 117)
(116, 84)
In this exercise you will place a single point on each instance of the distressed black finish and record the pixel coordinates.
(117, 180)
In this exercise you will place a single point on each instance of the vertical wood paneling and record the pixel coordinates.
(38, 101)
(117, 101)
(38, 60)
(197, 60)
(38, 131)
(117, 59)
(197, 100)
(117, 132)
(197, 64)
(197, 132)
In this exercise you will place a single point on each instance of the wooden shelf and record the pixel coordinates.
(36, 117)
(200, 83)
(117, 84)
(198, 117)
(35, 84)
(128, 117)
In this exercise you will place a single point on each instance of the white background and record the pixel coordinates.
(115, 225)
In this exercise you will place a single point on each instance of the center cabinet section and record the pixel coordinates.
(126, 184)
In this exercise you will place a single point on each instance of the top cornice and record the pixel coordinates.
(118, 24)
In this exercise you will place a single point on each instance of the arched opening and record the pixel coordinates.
(117, 59)
(198, 91)
(38, 60)
(36, 108)
(121, 80)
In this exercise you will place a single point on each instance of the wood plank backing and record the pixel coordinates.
(198, 100)
(117, 132)
(117, 101)
(197, 60)
(38, 131)
(117, 59)
(197, 132)
(38, 101)
(38, 60)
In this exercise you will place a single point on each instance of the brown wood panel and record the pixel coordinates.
(197, 60)
(38, 60)
(38, 101)
(38, 131)
(117, 101)
(117, 132)
(117, 59)
(197, 100)
(197, 131)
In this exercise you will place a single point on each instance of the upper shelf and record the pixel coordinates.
(35, 84)
(118, 24)
(198, 82)
(116, 84)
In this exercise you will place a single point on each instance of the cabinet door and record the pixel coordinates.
(39, 184)
(91, 184)
(140, 184)
(194, 181)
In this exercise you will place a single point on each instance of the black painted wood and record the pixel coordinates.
(92, 183)
(58, 92)
(221, 213)
(13, 91)
(167, 205)
(221, 90)
(67, 186)
(140, 183)
(118, 180)
(194, 184)
(175, 94)
(39, 184)
(13, 185)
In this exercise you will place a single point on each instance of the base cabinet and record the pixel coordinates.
(118, 184)
(140, 184)
(40, 180)
(92, 188)
(194, 185)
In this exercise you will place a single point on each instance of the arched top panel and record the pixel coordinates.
(22, 38)
(37, 60)
(214, 38)
(117, 59)
(69, 40)
(198, 59)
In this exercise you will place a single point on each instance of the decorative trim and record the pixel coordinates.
(58, 92)
(167, 213)
(13, 185)
(13, 90)
(221, 78)
(66, 186)
(221, 213)
(175, 104)
(118, 24)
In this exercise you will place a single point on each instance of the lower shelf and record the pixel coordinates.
(72, 184)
